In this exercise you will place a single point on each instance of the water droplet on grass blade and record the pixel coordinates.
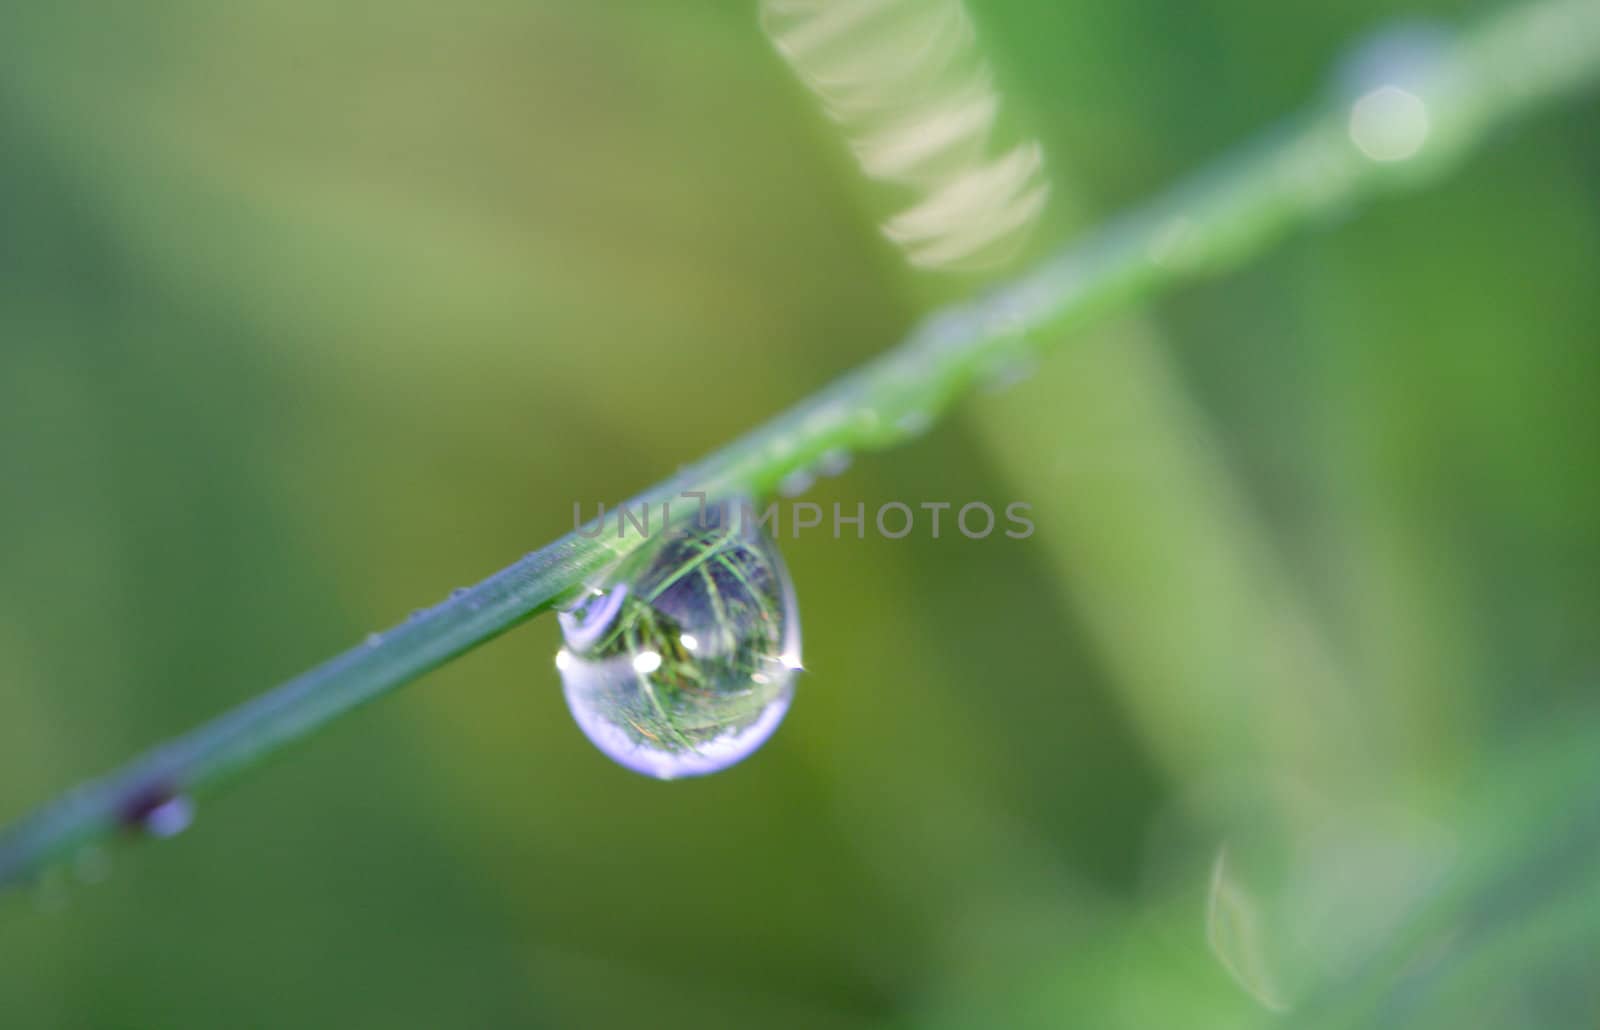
(1389, 124)
(159, 812)
(1388, 80)
(913, 424)
(1008, 372)
(797, 483)
(834, 462)
(170, 818)
(681, 661)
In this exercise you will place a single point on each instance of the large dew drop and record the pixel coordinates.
(682, 660)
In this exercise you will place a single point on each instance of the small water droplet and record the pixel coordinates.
(158, 812)
(374, 639)
(1009, 371)
(913, 423)
(835, 462)
(796, 483)
(682, 662)
(1387, 81)
(170, 818)
(1389, 124)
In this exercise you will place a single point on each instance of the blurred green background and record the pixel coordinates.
(311, 311)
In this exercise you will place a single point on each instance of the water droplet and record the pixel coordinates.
(1387, 80)
(681, 662)
(158, 812)
(374, 639)
(170, 818)
(796, 483)
(1389, 124)
(834, 463)
(913, 423)
(1008, 372)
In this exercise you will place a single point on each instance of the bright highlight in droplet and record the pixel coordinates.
(646, 662)
(690, 642)
(1389, 124)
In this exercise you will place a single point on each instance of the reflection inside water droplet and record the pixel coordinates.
(682, 661)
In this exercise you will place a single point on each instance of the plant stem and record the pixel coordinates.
(1311, 168)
